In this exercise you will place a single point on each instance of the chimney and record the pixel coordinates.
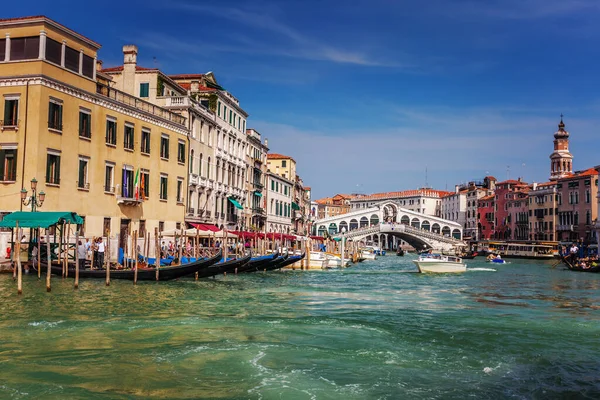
(130, 52)
(98, 65)
(266, 142)
(195, 86)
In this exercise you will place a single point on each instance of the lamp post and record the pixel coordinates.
(343, 240)
(36, 199)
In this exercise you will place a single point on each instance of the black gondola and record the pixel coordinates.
(400, 252)
(278, 263)
(290, 261)
(257, 264)
(144, 274)
(572, 267)
(270, 265)
(223, 267)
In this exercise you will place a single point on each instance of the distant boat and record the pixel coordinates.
(368, 253)
(400, 252)
(439, 263)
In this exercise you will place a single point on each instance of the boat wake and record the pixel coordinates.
(482, 269)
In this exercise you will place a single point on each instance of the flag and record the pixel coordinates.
(142, 187)
(136, 184)
(125, 184)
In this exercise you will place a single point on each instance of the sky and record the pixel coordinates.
(379, 95)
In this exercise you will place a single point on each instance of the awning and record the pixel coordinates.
(42, 219)
(205, 227)
(295, 206)
(235, 203)
(259, 194)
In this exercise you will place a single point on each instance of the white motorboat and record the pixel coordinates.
(439, 263)
(368, 253)
(322, 260)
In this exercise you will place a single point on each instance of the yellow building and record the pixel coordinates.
(84, 141)
(281, 165)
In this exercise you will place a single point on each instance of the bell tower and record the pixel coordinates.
(561, 160)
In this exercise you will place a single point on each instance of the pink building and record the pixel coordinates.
(485, 214)
(577, 210)
(513, 192)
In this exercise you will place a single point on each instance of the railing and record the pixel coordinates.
(193, 179)
(565, 228)
(191, 211)
(109, 189)
(83, 185)
(207, 213)
(258, 185)
(258, 211)
(9, 124)
(177, 101)
(133, 101)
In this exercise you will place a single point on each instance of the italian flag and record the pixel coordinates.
(136, 184)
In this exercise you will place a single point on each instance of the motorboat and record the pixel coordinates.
(368, 253)
(497, 261)
(439, 263)
(319, 259)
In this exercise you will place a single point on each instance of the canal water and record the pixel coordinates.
(377, 330)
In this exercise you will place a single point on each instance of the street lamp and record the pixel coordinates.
(36, 199)
(343, 249)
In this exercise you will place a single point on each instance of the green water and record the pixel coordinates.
(374, 331)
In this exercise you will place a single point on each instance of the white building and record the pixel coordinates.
(426, 201)
(454, 206)
(279, 203)
(255, 214)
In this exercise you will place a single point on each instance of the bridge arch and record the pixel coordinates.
(353, 224)
(374, 219)
(364, 221)
(343, 226)
(415, 223)
(456, 234)
(435, 228)
(332, 228)
(405, 220)
(425, 225)
(390, 212)
(446, 231)
(322, 230)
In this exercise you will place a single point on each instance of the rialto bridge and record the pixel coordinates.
(385, 224)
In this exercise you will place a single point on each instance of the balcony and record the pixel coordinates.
(258, 186)
(258, 211)
(191, 211)
(177, 101)
(232, 219)
(193, 179)
(83, 185)
(9, 125)
(124, 98)
(206, 214)
(569, 228)
(129, 201)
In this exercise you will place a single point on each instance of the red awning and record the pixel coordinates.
(205, 227)
(317, 238)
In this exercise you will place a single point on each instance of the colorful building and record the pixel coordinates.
(577, 213)
(117, 160)
(486, 207)
(543, 211)
(507, 194)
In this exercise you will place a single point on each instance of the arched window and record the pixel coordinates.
(200, 165)
(192, 161)
(208, 169)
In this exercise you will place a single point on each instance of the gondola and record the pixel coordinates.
(144, 274)
(278, 263)
(400, 252)
(469, 256)
(290, 261)
(258, 263)
(270, 265)
(572, 267)
(223, 267)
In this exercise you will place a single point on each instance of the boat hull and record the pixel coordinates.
(440, 267)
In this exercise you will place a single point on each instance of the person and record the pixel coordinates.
(81, 253)
(100, 246)
(498, 257)
(34, 255)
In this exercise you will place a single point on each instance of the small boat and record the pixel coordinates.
(224, 267)
(145, 274)
(368, 253)
(292, 259)
(578, 268)
(400, 252)
(258, 263)
(497, 261)
(278, 264)
(439, 263)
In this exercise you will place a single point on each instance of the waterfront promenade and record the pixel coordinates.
(373, 331)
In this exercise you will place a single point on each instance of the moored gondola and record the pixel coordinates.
(277, 264)
(291, 260)
(224, 267)
(400, 252)
(257, 263)
(145, 274)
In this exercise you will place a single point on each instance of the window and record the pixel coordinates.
(230, 116)
(27, 48)
(224, 112)
(128, 136)
(109, 178)
(85, 123)
(164, 146)
(219, 108)
(180, 190)
(208, 169)
(87, 67)
(11, 111)
(161, 226)
(163, 186)
(587, 196)
(272, 185)
(53, 51)
(111, 131)
(53, 168)
(145, 183)
(71, 59)
(283, 163)
(2, 50)
(82, 182)
(55, 115)
(200, 165)
(8, 164)
(127, 182)
(181, 152)
(144, 89)
(145, 141)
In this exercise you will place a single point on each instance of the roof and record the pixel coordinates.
(275, 156)
(512, 182)
(44, 219)
(488, 197)
(546, 184)
(187, 76)
(490, 178)
(120, 69)
(405, 193)
(43, 18)
(307, 188)
(324, 200)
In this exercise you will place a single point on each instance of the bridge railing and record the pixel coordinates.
(428, 234)
(368, 230)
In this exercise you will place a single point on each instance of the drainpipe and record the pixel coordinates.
(24, 142)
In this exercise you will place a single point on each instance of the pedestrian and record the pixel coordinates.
(81, 253)
(100, 246)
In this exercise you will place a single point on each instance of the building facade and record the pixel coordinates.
(279, 204)
(561, 160)
(543, 211)
(454, 206)
(426, 201)
(487, 221)
(96, 150)
(577, 213)
(475, 191)
(256, 159)
(332, 206)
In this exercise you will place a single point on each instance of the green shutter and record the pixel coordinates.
(47, 167)
(7, 109)
(57, 169)
(59, 117)
(81, 174)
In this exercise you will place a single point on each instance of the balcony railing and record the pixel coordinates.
(258, 211)
(133, 101)
(258, 185)
(83, 185)
(109, 189)
(191, 211)
(207, 214)
(570, 228)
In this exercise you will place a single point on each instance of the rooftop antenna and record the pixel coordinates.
(522, 168)
(155, 62)
(507, 172)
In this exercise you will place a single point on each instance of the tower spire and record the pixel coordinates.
(561, 160)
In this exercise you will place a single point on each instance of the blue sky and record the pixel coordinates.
(367, 95)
